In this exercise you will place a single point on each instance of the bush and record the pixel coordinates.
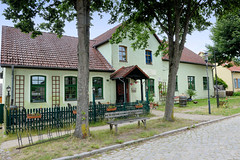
(236, 94)
(191, 93)
(220, 82)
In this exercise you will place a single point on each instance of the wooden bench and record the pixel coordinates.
(112, 115)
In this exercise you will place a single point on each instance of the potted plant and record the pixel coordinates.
(74, 111)
(111, 108)
(139, 105)
(34, 115)
(191, 94)
(223, 102)
(151, 100)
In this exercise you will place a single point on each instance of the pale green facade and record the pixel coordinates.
(158, 71)
(108, 93)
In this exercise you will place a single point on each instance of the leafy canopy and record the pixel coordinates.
(53, 14)
(226, 38)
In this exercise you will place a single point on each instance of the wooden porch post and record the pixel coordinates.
(141, 90)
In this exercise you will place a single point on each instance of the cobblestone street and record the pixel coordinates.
(216, 141)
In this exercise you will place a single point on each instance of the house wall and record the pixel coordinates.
(158, 70)
(226, 75)
(105, 50)
(236, 75)
(198, 71)
(137, 57)
(108, 85)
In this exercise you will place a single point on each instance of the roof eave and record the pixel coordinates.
(52, 68)
(191, 63)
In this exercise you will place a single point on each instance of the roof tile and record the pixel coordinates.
(46, 50)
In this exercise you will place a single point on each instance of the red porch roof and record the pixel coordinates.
(133, 72)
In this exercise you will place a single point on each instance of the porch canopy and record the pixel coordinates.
(133, 72)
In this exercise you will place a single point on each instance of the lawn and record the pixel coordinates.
(70, 145)
(201, 107)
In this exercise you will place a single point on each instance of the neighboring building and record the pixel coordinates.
(45, 70)
(1, 82)
(231, 76)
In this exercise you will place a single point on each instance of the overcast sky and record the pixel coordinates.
(195, 42)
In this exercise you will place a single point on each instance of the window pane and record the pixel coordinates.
(191, 82)
(122, 53)
(98, 85)
(38, 94)
(148, 55)
(70, 88)
(38, 89)
(205, 83)
(176, 87)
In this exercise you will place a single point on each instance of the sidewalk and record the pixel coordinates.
(159, 114)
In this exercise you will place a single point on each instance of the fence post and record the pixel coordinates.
(147, 99)
(94, 105)
(6, 113)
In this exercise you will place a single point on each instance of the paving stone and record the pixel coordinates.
(216, 141)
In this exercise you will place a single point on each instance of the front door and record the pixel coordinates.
(120, 91)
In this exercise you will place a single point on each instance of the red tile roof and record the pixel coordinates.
(105, 37)
(125, 71)
(235, 69)
(189, 56)
(46, 51)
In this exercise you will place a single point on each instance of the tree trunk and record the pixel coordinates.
(174, 60)
(83, 23)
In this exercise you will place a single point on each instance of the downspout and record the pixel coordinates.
(233, 83)
(12, 99)
(124, 87)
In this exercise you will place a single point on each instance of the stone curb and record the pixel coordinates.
(117, 146)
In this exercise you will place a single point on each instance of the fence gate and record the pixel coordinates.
(1, 112)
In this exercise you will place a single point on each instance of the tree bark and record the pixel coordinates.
(83, 23)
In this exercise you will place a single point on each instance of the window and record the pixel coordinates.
(176, 87)
(191, 82)
(237, 83)
(150, 84)
(148, 57)
(70, 88)
(98, 85)
(205, 87)
(122, 54)
(38, 89)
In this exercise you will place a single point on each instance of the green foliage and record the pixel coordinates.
(191, 93)
(221, 82)
(226, 38)
(236, 94)
(175, 19)
(53, 13)
(151, 98)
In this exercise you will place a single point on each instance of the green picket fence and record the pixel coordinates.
(58, 117)
(1, 112)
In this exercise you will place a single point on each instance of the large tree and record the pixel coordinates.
(54, 14)
(226, 38)
(175, 18)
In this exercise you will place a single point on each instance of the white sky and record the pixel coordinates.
(195, 42)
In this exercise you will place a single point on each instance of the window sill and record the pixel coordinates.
(149, 64)
(70, 100)
(123, 61)
(99, 98)
(39, 102)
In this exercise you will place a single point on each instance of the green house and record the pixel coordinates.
(42, 72)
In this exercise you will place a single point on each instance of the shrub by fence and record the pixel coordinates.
(58, 117)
